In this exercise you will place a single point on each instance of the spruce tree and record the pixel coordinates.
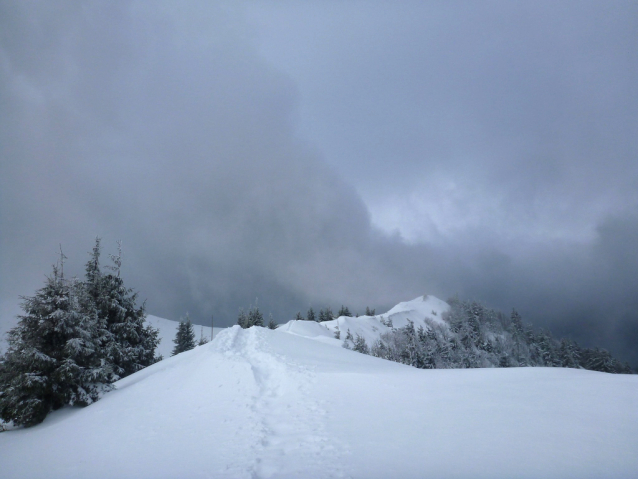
(242, 319)
(311, 315)
(252, 318)
(344, 311)
(185, 336)
(130, 342)
(133, 342)
(271, 322)
(298, 316)
(255, 318)
(54, 356)
(325, 315)
(349, 339)
(329, 316)
(360, 345)
(568, 354)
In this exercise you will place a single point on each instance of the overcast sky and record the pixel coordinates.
(324, 153)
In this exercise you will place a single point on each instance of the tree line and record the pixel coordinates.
(475, 337)
(327, 315)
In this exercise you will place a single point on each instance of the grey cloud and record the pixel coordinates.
(237, 163)
(184, 149)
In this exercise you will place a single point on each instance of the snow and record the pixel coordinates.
(168, 329)
(420, 310)
(291, 403)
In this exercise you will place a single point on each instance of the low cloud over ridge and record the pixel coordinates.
(169, 129)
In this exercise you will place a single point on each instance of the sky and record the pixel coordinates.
(320, 153)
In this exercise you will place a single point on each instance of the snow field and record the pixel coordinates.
(292, 403)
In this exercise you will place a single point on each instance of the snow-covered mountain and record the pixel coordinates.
(419, 310)
(292, 403)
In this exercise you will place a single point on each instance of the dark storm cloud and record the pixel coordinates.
(165, 129)
(471, 112)
(502, 134)
(247, 152)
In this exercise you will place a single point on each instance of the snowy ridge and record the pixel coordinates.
(420, 310)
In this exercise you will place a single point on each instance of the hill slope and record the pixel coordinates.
(258, 403)
(168, 329)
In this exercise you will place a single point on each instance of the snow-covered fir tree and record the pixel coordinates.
(54, 356)
(132, 342)
(184, 337)
(310, 316)
(254, 317)
(242, 318)
(360, 345)
(325, 315)
(344, 311)
(348, 342)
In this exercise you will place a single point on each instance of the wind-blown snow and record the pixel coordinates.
(257, 403)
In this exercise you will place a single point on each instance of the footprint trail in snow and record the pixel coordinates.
(292, 438)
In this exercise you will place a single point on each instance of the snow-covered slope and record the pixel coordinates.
(419, 311)
(168, 329)
(261, 404)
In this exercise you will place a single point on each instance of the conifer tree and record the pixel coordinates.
(344, 311)
(252, 318)
(518, 335)
(242, 319)
(601, 360)
(271, 322)
(54, 355)
(311, 315)
(298, 316)
(348, 341)
(255, 318)
(568, 354)
(132, 342)
(325, 315)
(185, 336)
(360, 345)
